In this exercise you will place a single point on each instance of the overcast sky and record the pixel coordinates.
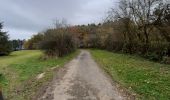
(23, 18)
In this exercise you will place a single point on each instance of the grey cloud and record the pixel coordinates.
(36, 15)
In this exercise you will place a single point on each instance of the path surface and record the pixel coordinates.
(82, 79)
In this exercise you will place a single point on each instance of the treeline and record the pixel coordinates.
(6, 45)
(139, 27)
(143, 27)
(17, 44)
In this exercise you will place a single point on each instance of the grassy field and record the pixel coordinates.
(18, 72)
(150, 80)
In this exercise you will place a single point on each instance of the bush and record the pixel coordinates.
(112, 45)
(57, 43)
(157, 50)
(154, 51)
(33, 43)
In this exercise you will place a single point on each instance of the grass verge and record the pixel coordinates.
(150, 80)
(19, 70)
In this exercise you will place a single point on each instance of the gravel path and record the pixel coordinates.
(82, 79)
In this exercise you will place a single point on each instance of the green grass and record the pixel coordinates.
(19, 69)
(150, 80)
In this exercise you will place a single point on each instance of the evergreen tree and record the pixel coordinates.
(5, 47)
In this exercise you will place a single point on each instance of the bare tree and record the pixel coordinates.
(162, 20)
(61, 23)
(136, 18)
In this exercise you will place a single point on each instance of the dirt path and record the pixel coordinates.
(82, 79)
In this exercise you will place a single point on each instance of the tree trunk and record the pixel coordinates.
(146, 46)
(1, 97)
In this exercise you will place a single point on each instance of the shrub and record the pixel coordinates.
(112, 45)
(33, 43)
(57, 43)
(155, 51)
